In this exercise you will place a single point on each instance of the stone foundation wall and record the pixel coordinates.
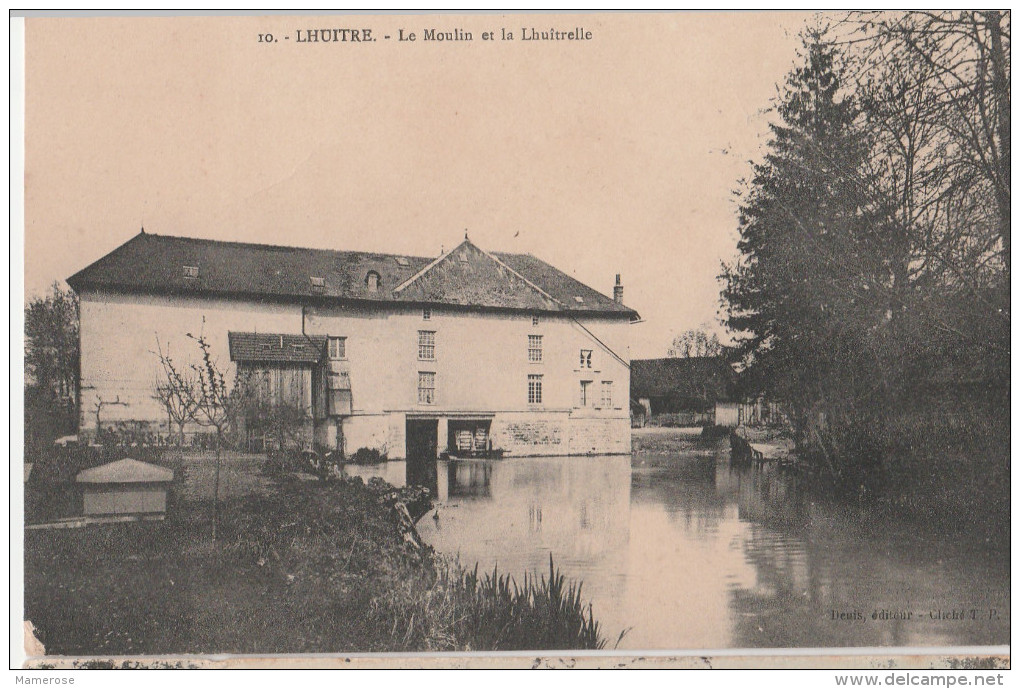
(599, 436)
(533, 434)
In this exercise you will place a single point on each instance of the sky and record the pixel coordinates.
(614, 154)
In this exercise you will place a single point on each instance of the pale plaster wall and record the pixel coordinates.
(481, 366)
(481, 359)
(119, 336)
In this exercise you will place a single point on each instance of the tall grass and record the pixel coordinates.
(492, 611)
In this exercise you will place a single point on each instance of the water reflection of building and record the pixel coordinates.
(465, 479)
(518, 512)
(685, 489)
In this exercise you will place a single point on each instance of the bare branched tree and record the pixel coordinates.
(937, 86)
(695, 343)
(215, 408)
(177, 392)
(97, 409)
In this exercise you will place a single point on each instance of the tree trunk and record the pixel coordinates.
(1000, 87)
(216, 491)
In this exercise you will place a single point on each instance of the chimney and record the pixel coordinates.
(618, 291)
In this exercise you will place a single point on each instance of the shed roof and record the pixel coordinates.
(276, 348)
(152, 263)
(706, 377)
(126, 471)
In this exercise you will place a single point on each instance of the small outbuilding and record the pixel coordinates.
(683, 390)
(126, 486)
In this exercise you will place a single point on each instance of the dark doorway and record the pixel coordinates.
(422, 447)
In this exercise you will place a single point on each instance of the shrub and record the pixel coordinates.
(713, 432)
(367, 455)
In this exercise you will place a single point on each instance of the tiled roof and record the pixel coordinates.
(559, 285)
(276, 348)
(705, 377)
(467, 276)
(161, 264)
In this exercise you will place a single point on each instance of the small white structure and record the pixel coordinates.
(126, 486)
(66, 440)
(727, 414)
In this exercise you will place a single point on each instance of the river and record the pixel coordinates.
(688, 552)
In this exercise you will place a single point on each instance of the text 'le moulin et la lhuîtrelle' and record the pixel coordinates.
(337, 35)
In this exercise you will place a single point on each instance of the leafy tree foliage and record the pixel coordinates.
(807, 240)
(51, 367)
(51, 343)
(874, 233)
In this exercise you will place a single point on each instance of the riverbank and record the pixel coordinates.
(660, 440)
(299, 566)
(946, 473)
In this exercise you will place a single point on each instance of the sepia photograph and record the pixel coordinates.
(662, 339)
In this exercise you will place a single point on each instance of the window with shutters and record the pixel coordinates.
(585, 399)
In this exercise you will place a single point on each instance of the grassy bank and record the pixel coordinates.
(300, 566)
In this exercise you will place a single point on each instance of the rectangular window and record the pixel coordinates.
(339, 402)
(534, 389)
(534, 321)
(318, 285)
(607, 394)
(426, 387)
(191, 271)
(585, 358)
(585, 393)
(337, 348)
(534, 348)
(426, 314)
(427, 345)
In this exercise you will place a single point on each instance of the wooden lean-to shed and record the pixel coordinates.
(126, 486)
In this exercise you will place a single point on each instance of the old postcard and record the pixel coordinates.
(509, 340)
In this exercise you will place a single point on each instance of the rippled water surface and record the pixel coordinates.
(688, 552)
